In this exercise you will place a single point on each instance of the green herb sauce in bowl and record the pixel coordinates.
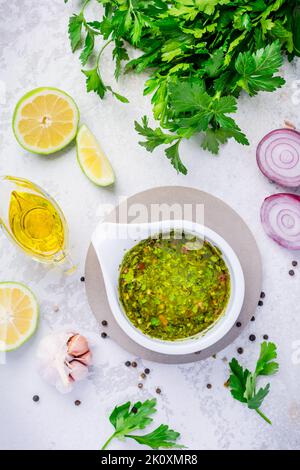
(172, 288)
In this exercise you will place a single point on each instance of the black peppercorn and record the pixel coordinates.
(240, 350)
(140, 385)
(103, 335)
(104, 323)
(238, 324)
(158, 390)
(82, 278)
(252, 337)
(252, 318)
(294, 263)
(260, 303)
(77, 402)
(127, 363)
(291, 272)
(265, 337)
(208, 386)
(134, 410)
(147, 371)
(36, 398)
(143, 375)
(262, 295)
(134, 364)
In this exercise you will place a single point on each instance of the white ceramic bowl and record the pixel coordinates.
(111, 241)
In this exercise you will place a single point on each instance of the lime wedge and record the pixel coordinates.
(92, 159)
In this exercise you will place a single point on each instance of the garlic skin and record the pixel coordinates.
(64, 358)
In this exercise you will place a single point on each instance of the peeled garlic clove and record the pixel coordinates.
(77, 345)
(86, 358)
(78, 371)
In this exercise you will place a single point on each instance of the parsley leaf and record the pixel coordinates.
(74, 29)
(162, 436)
(256, 70)
(88, 48)
(243, 383)
(94, 82)
(127, 418)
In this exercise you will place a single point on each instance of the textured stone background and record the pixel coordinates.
(34, 51)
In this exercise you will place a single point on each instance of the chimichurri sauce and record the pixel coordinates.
(172, 288)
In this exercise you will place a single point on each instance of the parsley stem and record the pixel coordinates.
(100, 52)
(108, 441)
(263, 416)
(83, 6)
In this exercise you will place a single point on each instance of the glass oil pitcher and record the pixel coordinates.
(33, 221)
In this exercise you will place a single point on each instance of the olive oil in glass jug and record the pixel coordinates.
(33, 221)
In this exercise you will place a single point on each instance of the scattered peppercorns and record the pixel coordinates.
(77, 402)
(252, 318)
(140, 385)
(127, 363)
(82, 278)
(36, 398)
(252, 337)
(143, 375)
(240, 350)
(238, 324)
(133, 364)
(104, 323)
(262, 295)
(103, 335)
(208, 385)
(260, 303)
(294, 263)
(265, 337)
(147, 371)
(291, 272)
(158, 390)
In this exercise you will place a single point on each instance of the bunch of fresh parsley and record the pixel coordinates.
(200, 55)
(243, 383)
(127, 419)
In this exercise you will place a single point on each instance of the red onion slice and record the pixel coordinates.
(278, 157)
(280, 216)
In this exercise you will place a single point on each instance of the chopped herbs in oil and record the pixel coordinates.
(174, 287)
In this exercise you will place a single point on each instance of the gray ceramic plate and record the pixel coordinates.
(217, 216)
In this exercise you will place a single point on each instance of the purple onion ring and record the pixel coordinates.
(278, 157)
(280, 217)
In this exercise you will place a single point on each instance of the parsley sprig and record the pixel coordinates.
(200, 55)
(243, 383)
(128, 418)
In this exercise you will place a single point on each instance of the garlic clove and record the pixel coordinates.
(86, 358)
(77, 370)
(77, 345)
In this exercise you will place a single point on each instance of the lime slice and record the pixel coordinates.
(45, 120)
(19, 314)
(92, 160)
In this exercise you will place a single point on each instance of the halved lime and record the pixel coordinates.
(45, 120)
(92, 159)
(19, 314)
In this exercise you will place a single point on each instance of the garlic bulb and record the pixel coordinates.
(64, 358)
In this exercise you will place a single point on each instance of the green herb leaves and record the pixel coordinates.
(75, 27)
(127, 419)
(243, 383)
(256, 70)
(200, 54)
